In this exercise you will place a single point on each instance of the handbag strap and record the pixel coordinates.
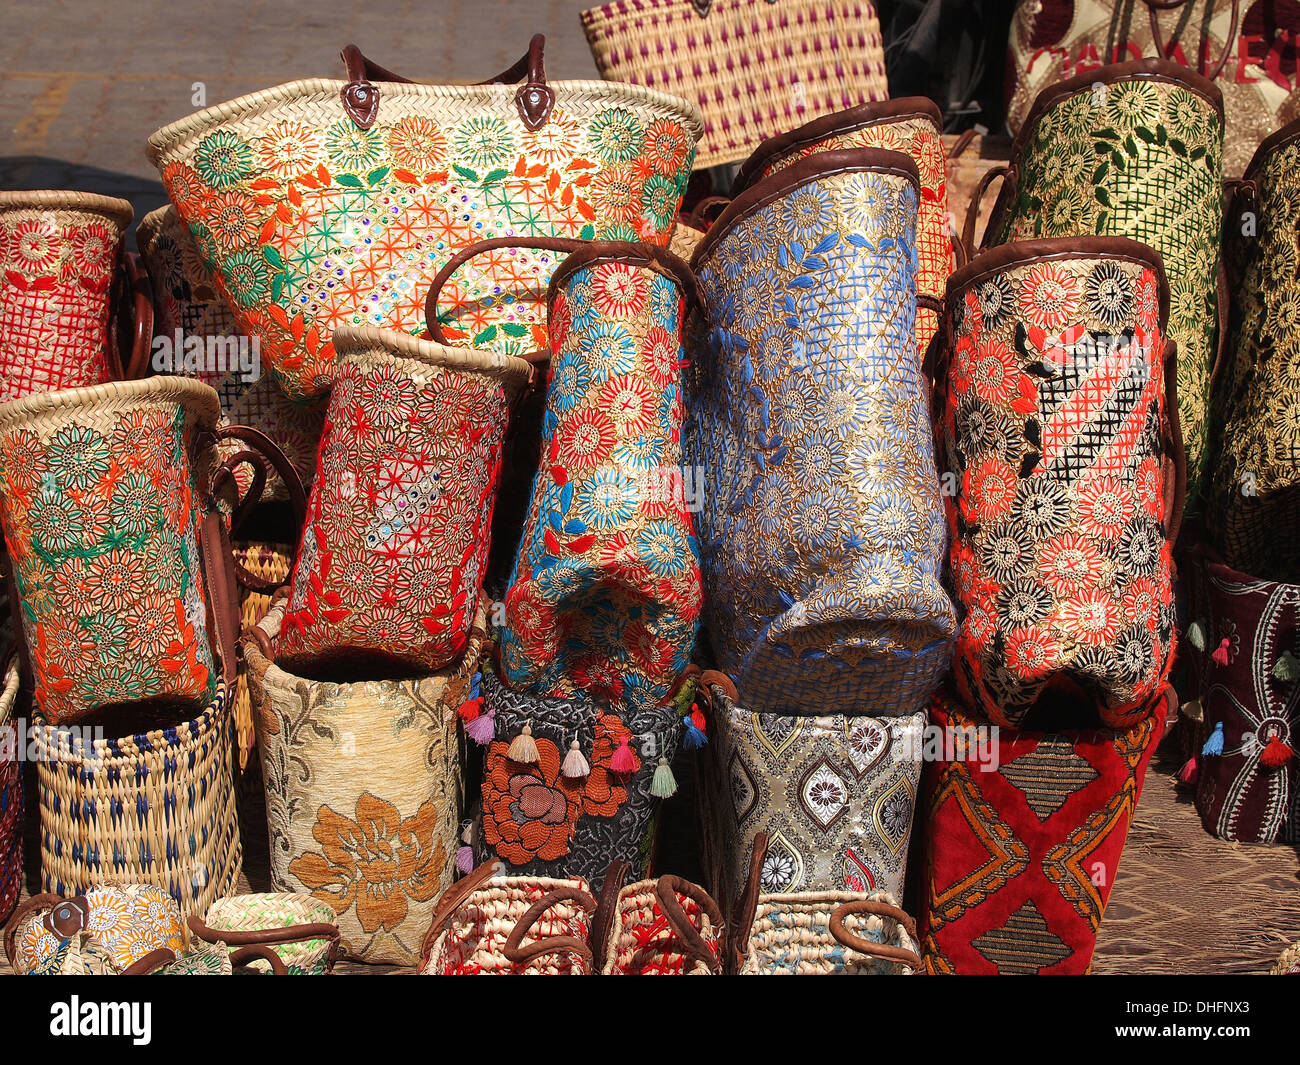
(514, 949)
(1004, 171)
(266, 937)
(602, 924)
(149, 963)
(254, 951)
(1162, 47)
(454, 897)
(535, 99)
(1176, 452)
(360, 97)
(132, 316)
(883, 951)
(667, 889)
(747, 905)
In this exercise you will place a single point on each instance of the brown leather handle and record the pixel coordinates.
(273, 454)
(747, 904)
(131, 318)
(667, 889)
(433, 329)
(973, 207)
(255, 951)
(696, 218)
(1175, 479)
(1162, 48)
(296, 933)
(864, 946)
(535, 100)
(520, 955)
(150, 963)
(226, 472)
(46, 900)
(360, 97)
(930, 303)
(454, 897)
(602, 924)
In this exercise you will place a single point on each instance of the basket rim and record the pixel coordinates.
(152, 224)
(203, 723)
(355, 339)
(68, 200)
(163, 141)
(191, 393)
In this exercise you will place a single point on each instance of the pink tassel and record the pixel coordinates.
(465, 860)
(483, 729)
(624, 761)
(1188, 772)
(1220, 655)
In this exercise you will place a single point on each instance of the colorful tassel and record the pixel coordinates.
(697, 718)
(664, 783)
(1188, 771)
(1276, 753)
(1220, 655)
(624, 761)
(1287, 667)
(523, 748)
(1214, 745)
(575, 765)
(482, 729)
(465, 860)
(1192, 710)
(695, 737)
(1196, 635)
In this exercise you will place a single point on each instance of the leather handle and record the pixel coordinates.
(514, 949)
(279, 461)
(1175, 478)
(265, 937)
(454, 897)
(930, 303)
(602, 924)
(973, 207)
(696, 219)
(226, 472)
(535, 100)
(253, 952)
(667, 889)
(1162, 47)
(864, 946)
(149, 963)
(46, 900)
(747, 904)
(360, 97)
(130, 319)
(433, 329)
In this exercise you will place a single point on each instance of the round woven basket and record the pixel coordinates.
(273, 912)
(354, 776)
(791, 936)
(60, 253)
(157, 807)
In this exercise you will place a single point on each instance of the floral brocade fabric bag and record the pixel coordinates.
(1135, 150)
(1059, 427)
(821, 530)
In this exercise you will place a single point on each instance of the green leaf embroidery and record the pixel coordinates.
(350, 180)
(273, 257)
(487, 336)
(465, 172)
(377, 175)
(514, 329)
(494, 175)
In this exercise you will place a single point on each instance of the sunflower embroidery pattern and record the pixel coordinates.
(396, 535)
(55, 270)
(821, 527)
(1147, 165)
(98, 536)
(308, 226)
(606, 594)
(376, 862)
(1060, 557)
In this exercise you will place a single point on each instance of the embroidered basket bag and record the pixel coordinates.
(755, 67)
(1059, 424)
(321, 204)
(1158, 179)
(821, 530)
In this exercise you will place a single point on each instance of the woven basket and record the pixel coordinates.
(970, 156)
(269, 565)
(755, 67)
(1288, 962)
(11, 790)
(153, 808)
(1159, 181)
(664, 927)
(300, 928)
(58, 255)
(321, 204)
(187, 304)
(912, 126)
(353, 772)
(491, 925)
(103, 492)
(392, 556)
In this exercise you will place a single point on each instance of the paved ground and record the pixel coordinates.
(83, 85)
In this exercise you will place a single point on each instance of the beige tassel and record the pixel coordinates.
(575, 765)
(523, 748)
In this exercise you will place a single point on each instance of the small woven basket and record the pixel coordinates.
(755, 67)
(792, 935)
(300, 928)
(157, 807)
(665, 927)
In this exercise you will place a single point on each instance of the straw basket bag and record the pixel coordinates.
(155, 807)
(11, 789)
(300, 929)
(396, 539)
(663, 927)
(755, 67)
(493, 925)
(321, 204)
(60, 256)
(353, 772)
(188, 305)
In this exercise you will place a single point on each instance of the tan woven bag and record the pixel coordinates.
(755, 67)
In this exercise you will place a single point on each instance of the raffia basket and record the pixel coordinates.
(364, 791)
(1288, 963)
(157, 807)
(664, 927)
(756, 68)
(268, 565)
(792, 935)
(58, 254)
(300, 928)
(313, 215)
